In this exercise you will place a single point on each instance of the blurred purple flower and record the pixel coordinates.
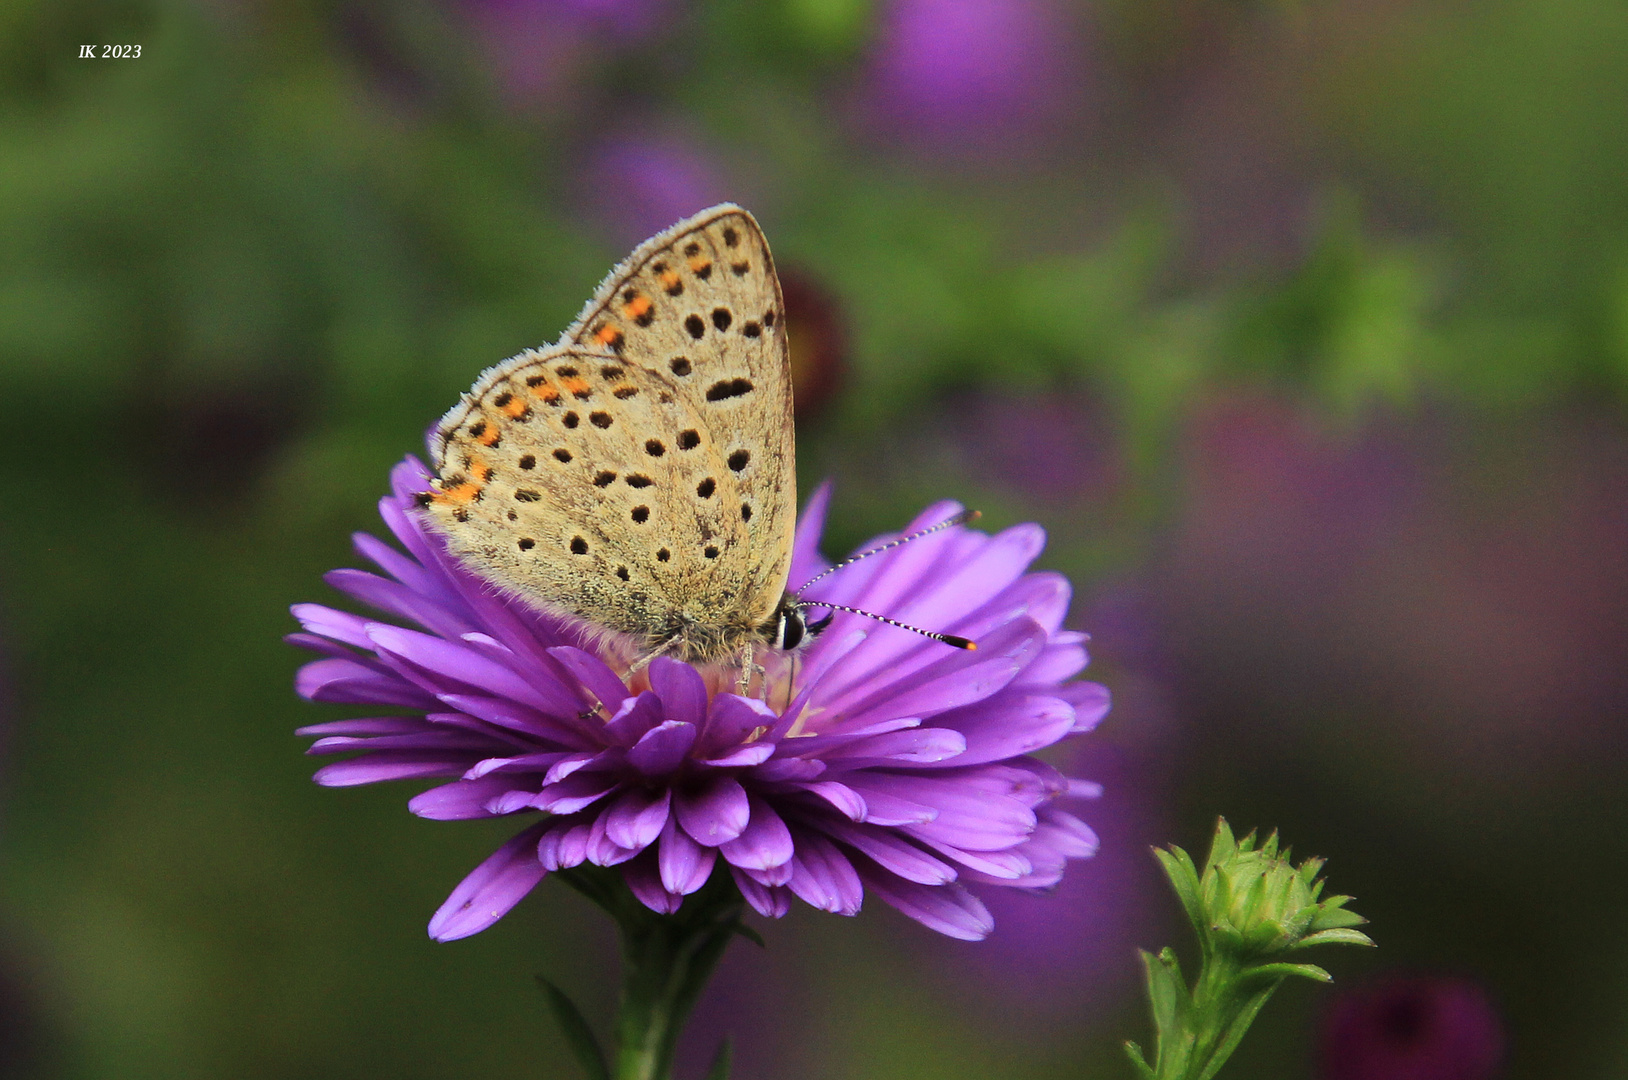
(533, 51)
(896, 765)
(623, 18)
(973, 74)
(1055, 447)
(637, 186)
(1418, 1028)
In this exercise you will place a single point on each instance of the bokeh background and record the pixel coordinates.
(1301, 324)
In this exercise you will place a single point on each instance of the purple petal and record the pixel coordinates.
(458, 663)
(970, 816)
(562, 728)
(348, 682)
(644, 879)
(312, 643)
(662, 748)
(1090, 700)
(1008, 865)
(1008, 726)
(766, 901)
(1054, 664)
(453, 742)
(570, 764)
(635, 717)
(765, 843)
(565, 844)
(491, 889)
(364, 726)
(823, 876)
(389, 765)
(329, 623)
(684, 864)
(954, 680)
(949, 909)
(883, 806)
(602, 850)
(911, 592)
(396, 599)
(850, 803)
(463, 799)
(1070, 836)
(683, 692)
(715, 814)
(916, 746)
(732, 720)
(636, 818)
(750, 754)
(805, 548)
(397, 565)
(773, 876)
(893, 853)
(575, 792)
(594, 675)
(787, 770)
(544, 763)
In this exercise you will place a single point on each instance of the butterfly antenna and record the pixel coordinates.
(959, 519)
(948, 639)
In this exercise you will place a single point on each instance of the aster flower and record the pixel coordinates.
(875, 759)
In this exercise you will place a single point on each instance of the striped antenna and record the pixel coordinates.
(948, 639)
(962, 518)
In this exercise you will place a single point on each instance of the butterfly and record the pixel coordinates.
(639, 475)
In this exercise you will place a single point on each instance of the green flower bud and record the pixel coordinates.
(1253, 905)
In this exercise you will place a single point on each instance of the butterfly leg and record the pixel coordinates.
(644, 661)
(744, 683)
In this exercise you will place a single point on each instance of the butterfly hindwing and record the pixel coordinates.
(640, 475)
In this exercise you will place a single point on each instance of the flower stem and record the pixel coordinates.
(666, 961)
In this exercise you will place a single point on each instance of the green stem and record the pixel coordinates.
(666, 961)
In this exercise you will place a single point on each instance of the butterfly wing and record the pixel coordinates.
(700, 305)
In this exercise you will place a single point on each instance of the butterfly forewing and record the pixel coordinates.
(640, 474)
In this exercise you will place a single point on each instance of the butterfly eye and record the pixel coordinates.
(789, 634)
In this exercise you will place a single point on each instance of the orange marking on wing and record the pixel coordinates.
(608, 334)
(636, 307)
(547, 392)
(700, 265)
(669, 278)
(575, 384)
(463, 492)
(490, 436)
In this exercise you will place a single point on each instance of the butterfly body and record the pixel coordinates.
(639, 475)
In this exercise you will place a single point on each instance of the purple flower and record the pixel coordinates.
(877, 759)
(1419, 1028)
(973, 74)
(637, 185)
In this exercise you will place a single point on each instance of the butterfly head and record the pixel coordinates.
(788, 628)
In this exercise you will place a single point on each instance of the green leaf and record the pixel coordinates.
(1143, 1069)
(1167, 993)
(1281, 971)
(720, 1061)
(1339, 936)
(1183, 875)
(1236, 1031)
(578, 1035)
(1329, 918)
